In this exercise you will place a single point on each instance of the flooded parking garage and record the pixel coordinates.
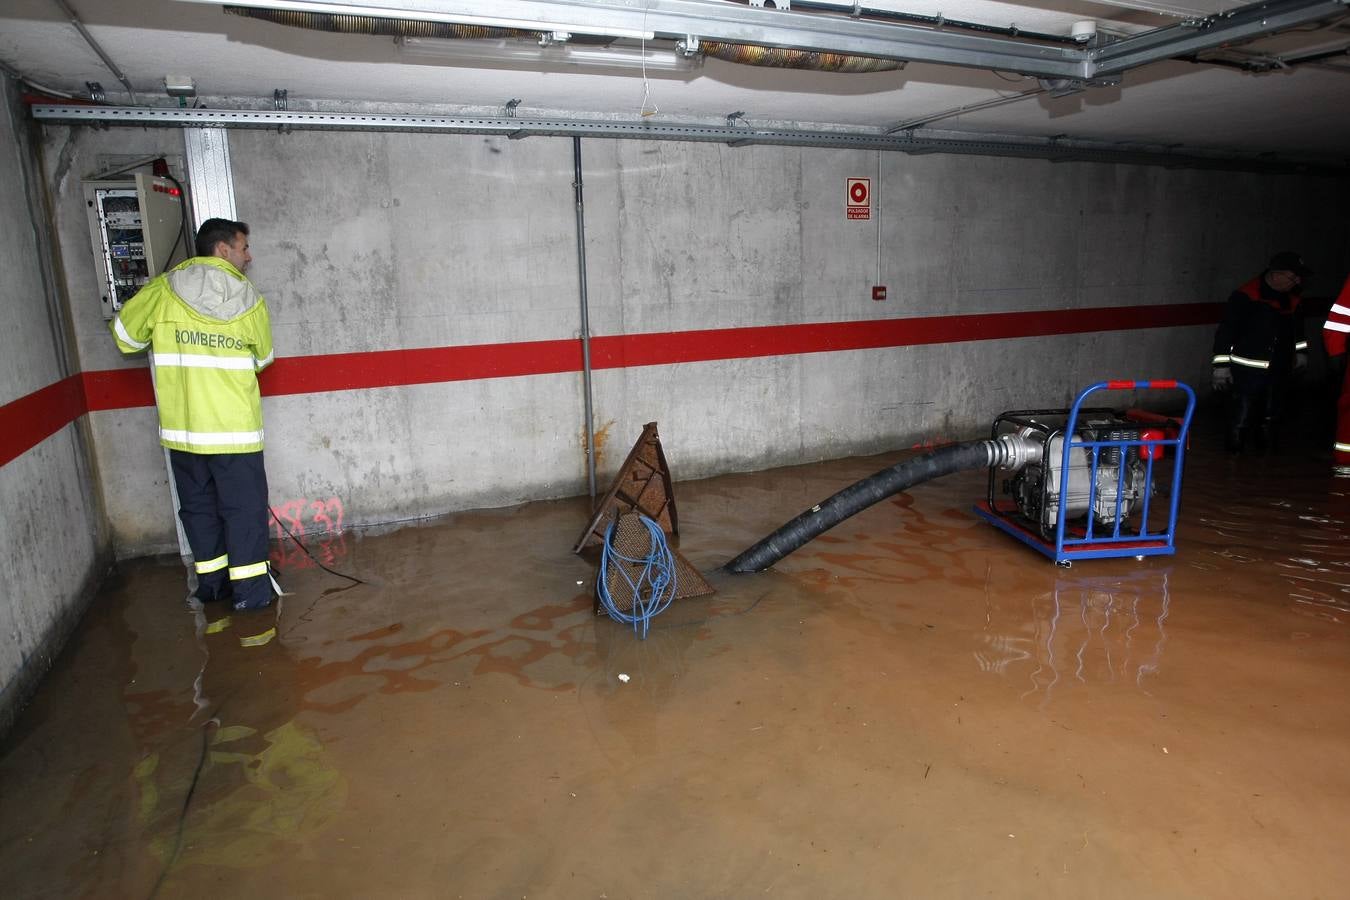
(911, 705)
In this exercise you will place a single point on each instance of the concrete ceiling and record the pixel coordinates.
(1299, 112)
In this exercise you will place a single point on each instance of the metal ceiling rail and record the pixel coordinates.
(1057, 149)
(1243, 24)
(720, 20)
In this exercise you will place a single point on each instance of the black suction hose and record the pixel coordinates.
(857, 497)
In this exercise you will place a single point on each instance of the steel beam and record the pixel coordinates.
(733, 135)
(210, 178)
(1242, 24)
(722, 21)
(829, 33)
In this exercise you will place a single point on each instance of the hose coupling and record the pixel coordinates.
(1013, 451)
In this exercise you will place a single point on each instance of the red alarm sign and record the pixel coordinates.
(859, 198)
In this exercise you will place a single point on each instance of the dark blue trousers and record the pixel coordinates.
(1254, 408)
(222, 503)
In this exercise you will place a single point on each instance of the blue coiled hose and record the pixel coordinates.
(655, 585)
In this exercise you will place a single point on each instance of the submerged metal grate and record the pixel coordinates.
(642, 485)
(632, 539)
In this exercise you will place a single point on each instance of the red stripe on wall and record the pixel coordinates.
(390, 368)
(118, 389)
(431, 365)
(30, 420)
(781, 340)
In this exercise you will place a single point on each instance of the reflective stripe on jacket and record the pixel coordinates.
(1338, 323)
(1259, 329)
(209, 335)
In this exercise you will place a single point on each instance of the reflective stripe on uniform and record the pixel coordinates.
(1301, 346)
(213, 565)
(264, 363)
(200, 361)
(258, 640)
(1221, 360)
(1343, 448)
(1340, 308)
(1337, 326)
(1250, 363)
(126, 338)
(253, 570)
(211, 438)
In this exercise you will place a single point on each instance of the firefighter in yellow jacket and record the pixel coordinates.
(209, 336)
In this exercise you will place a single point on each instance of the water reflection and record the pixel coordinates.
(261, 795)
(1273, 521)
(1093, 630)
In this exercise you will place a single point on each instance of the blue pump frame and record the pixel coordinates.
(1066, 549)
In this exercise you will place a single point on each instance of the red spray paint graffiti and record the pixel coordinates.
(322, 519)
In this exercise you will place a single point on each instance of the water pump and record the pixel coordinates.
(1076, 483)
(1082, 482)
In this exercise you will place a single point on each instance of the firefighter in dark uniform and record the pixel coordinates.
(1258, 346)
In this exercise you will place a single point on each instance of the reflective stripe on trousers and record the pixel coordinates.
(205, 567)
(252, 570)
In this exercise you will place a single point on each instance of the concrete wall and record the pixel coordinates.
(131, 468)
(52, 544)
(374, 242)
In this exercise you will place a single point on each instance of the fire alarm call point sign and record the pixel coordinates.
(859, 198)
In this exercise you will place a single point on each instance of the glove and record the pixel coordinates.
(1301, 361)
(1221, 378)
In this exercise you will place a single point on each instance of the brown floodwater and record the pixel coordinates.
(912, 705)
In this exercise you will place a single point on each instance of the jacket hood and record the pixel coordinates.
(213, 288)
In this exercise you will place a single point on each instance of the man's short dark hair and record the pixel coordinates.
(214, 231)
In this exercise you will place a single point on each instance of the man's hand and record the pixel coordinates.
(1221, 378)
(1301, 361)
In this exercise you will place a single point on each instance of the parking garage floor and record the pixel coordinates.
(912, 705)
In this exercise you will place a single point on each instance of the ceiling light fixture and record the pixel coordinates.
(619, 55)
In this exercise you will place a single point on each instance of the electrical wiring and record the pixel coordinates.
(184, 235)
(306, 551)
(644, 109)
(654, 587)
(18, 76)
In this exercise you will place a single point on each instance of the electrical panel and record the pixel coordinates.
(138, 229)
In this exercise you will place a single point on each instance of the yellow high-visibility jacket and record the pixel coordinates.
(209, 336)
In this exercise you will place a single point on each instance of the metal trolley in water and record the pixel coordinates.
(1095, 481)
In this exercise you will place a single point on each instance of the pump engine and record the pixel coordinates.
(1119, 485)
(1106, 477)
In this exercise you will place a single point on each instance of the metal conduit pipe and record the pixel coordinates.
(971, 107)
(938, 21)
(745, 54)
(342, 23)
(1266, 62)
(585, 317)
(1008, 452)
(89, 39)
(18, 76)
(783, 58)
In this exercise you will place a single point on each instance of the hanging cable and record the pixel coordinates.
(647, 108)
(185, 237)
(14, 73)
(1000, 100)
(305, 549)
(652, 589)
